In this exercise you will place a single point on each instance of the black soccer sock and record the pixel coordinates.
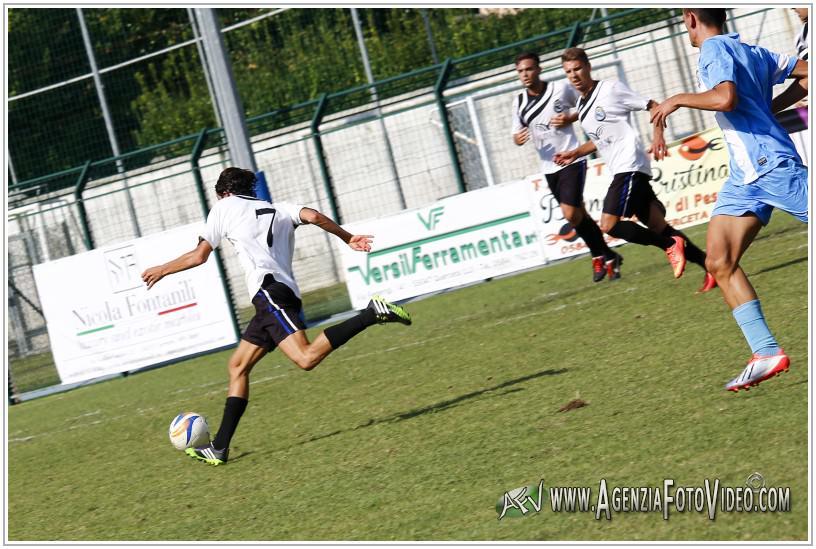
(693, 253)
(341, 333)
(589, 231)
(233, 410)
(632, 232)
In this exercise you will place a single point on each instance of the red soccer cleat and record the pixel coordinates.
(709, 283)
(598, 269)
(677, 256)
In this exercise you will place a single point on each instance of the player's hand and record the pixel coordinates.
(560, 120)
(565, 158)
(659, 150)
(521, 137)
(360, 242)
(152, 275)
(661, 112)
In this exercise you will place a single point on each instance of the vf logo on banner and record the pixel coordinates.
(123, 269)
(434, 214)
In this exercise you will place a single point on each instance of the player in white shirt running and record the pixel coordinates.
(262, 234)
(542, 115)
(603, 111)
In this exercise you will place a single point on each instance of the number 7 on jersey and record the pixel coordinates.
(264, 211)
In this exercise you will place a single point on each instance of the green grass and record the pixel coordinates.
(413, 433)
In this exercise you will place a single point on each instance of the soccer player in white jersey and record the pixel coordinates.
(542, 114)
(603, 111)
(802, 45)
(262, 234)
(765, 172)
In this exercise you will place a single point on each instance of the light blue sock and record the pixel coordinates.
(752, 323)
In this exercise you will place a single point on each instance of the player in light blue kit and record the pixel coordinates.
(765, 172)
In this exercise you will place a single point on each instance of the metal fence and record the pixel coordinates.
(365, 152)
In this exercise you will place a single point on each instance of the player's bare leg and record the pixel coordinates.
(573, 214)
(245, 357)
(728, 239)
(305, 355)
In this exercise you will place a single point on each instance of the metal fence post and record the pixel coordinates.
(575, 35)
(80, 202)
(195, 156)
(321, 157)
(439, 88)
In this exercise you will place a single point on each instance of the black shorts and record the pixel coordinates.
(567, 184)
(630, 194)
(278, 314)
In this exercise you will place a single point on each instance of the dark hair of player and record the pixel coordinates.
(527, 55)
(710, 17)
(575, 54)
(235, 181)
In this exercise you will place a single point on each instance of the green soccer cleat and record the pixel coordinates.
(208, 454)
(388, 312)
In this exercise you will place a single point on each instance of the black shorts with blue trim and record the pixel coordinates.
(631, 194)
(567, 184)
(278, 314)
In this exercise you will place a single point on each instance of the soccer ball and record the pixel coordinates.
(189, 430)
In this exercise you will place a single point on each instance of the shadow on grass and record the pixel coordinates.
(780, 266)
(442, 405)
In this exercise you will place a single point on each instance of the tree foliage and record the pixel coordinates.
(291, 57)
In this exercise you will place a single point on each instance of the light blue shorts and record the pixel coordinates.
(784, 187)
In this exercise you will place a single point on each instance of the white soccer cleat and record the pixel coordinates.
(759, 369)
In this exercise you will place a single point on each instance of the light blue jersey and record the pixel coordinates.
(757, 143)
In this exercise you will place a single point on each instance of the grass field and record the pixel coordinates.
(413, 433)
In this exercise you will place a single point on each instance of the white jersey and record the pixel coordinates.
(802, 43)
(535, 112)
(262, 233)
(604, 116)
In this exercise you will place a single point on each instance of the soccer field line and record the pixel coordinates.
(389, 349)
(139, 411)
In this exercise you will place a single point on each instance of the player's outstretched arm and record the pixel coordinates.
(189, 260)
(722, 98)
(357, 242)
(796, 91)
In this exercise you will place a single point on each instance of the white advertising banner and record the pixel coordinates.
(102, 319)
(457, 240)
(686, 183)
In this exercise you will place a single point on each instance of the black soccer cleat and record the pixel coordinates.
(388, 312)
(208, 454)
(613, 266)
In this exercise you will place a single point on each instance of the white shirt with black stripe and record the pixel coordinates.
(262, 233)
(604, 116)
(802, 43)
(535, 111)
